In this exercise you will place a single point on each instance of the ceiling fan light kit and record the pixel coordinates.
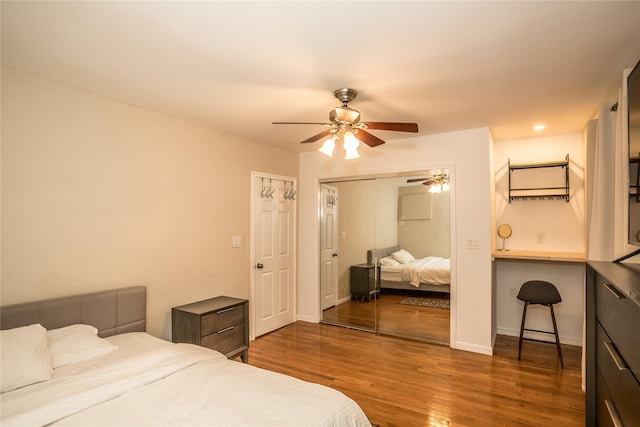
(438, 183)
(439, 188)
(328, 146)
(345, 124)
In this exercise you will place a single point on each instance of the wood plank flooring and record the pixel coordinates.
(388, 316)
(400, 382)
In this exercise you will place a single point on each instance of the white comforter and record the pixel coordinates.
(435, 270)
(179, 384)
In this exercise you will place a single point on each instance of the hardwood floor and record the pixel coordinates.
(388, 316)
(399, 382)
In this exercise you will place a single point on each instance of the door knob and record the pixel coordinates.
(334, 255)
(259, 266)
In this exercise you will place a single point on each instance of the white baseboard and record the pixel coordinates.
(309, 319)
(474, 348)
(343, 300)
(541, 337)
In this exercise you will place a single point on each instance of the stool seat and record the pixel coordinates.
(543, 293)
(539, 292)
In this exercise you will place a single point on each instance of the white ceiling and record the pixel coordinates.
(238, 66)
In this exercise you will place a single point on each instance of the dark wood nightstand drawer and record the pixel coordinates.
(225, 340)
(220, 323)
(222, 319)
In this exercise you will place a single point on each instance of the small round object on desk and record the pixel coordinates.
(504, 231)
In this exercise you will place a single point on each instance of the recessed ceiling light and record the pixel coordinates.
(538, 128)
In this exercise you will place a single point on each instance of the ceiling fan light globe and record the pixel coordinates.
(350, 141)
(352, 153)
(445, 187)
(435, 189)
(328, 146)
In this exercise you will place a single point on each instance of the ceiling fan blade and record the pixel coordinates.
(401, 127)
(314, 138)
(369, 139)
(419, 179)
(301, 123)
(428, 182)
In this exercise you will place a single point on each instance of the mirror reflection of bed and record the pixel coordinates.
(405, 250)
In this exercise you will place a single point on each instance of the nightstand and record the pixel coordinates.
(363, 282)
(220, 323)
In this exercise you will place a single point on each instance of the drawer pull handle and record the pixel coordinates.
(613, 414)
(225, 310)
(617, 359)
(222, 331)
(614, 291)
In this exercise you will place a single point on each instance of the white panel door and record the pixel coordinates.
(274, 304)
(329, 247)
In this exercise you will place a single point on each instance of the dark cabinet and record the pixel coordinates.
(363, 281)
(220, 323)
(613, 344)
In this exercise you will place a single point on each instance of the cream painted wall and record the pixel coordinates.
(563, 227)
(561, 223)
(467, 154)
(386, 214)
(427, 237)
(99, 194)
(356, 219)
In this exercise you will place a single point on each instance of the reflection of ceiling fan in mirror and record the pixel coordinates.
(437, 183)
(344, 123)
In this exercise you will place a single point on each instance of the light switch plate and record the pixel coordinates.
(236, 241)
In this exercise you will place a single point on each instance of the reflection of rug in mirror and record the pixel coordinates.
(440, 301)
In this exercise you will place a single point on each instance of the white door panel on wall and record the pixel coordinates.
(274, 210)
(329, 249)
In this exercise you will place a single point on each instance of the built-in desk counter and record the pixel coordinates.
(566, 270)
(540, 256)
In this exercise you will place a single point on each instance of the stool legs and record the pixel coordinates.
(524, 316)
(555, 331)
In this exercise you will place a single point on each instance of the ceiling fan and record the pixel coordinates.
(344, 122)
(438, 183)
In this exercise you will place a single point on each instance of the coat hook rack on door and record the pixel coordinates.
(289, 194)
(332, 200)
(266, 192)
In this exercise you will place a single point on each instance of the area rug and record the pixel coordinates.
(435, 302)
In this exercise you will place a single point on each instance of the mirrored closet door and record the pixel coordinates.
(347, 232)
(387, 243)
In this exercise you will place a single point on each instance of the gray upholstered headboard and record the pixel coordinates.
(380, 253)
(113, 311)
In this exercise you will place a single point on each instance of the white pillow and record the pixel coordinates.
(24, 357)
(75, 343)
(389, 262)
(402, 256)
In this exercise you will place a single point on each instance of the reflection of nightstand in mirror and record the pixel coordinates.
(363, 282)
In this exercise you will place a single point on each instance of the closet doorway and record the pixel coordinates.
(393, 255)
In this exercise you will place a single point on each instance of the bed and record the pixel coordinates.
(400, 270)
(96, 365)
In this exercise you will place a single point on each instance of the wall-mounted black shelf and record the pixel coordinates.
(561, 191)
